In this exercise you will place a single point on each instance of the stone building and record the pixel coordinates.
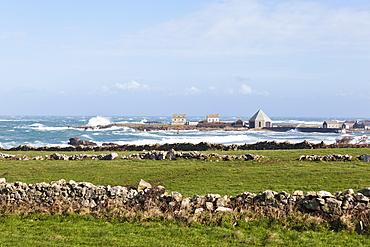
(331, 125)
(239, 123)
(213, 118)
(260, 120)
(178, 119)
(348, 124)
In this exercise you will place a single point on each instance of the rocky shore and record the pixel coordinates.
(77, 144)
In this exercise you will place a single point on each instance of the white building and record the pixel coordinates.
(260, 120)
(213, 118)
(178, 119)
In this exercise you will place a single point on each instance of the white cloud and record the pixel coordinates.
(133, 86)
(212, 88)
(192, 90)
(244, 89)
(236, 27)
(103, 90)
(14, 34)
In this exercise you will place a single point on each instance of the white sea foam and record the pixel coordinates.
(87, 136)
(98, 120)
(41, 127)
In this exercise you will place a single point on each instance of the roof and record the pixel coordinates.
(212, 116)
(260, 116)
(331, 122)
(178, 115)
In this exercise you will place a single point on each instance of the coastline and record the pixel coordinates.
(169, 127)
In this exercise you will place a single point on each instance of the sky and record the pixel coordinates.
(290, 58)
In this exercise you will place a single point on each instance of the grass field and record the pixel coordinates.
(189, 177)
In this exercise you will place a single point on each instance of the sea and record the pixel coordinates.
(39, 131)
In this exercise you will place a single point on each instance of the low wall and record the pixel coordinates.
(78, 195)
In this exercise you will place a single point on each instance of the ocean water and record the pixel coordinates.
(40, 131)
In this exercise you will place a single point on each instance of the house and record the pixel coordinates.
(331, 125)
(213, 118)
(366, 125)
(260, 120)
(178, 119)
(238, 123)
(348, 124)
(359, 125)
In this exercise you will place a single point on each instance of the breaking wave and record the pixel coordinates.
(95, 121)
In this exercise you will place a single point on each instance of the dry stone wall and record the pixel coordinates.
(152, 155)
(145, 197)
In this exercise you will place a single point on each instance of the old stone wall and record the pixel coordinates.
(144, 196)
(151, 155)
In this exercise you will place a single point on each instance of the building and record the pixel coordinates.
(331, 125)
(260, 120)
(239, 123)
(348, 124)
(178, 119)
(213, 118)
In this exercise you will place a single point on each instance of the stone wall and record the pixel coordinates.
(151, 155)
(145, 197)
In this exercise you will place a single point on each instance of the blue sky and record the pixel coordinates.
(290, 58)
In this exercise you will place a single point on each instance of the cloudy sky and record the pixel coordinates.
(291, 58)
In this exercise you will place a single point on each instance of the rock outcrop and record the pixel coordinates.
(78, 142)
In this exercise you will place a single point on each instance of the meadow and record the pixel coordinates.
(281, 172)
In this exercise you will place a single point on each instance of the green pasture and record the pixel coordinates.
(280, 172)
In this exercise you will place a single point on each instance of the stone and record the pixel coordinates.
(362, 198)
(359, 227)
(268, 195)
(223, 201)
(223, 209)
(212, 197)
(209, 206)
(365, 191)
(324, 194)
(349, 192)
(171, 155)
(176, 196)
(78, 142)
(185, 202)
(364, 157)
(143, 185)
(313, 204)
(310, 193)
(2, 181)
(198, 211)
(111, 156)
(332, 206)
(297, 193)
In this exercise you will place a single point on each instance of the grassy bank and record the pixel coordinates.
(281, 172)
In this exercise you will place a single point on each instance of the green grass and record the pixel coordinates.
(189, 177)
(70, 230)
